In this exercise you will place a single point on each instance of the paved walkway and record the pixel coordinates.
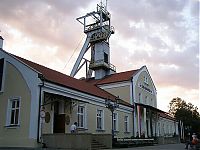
(157, 147)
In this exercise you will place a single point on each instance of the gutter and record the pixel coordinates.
(40, 101)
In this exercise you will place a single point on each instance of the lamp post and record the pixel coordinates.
(112, 106)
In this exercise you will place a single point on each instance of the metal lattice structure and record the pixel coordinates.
(98, 29)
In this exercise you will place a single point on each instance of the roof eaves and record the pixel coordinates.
(113, 82)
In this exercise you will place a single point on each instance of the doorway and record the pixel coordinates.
(59, 119)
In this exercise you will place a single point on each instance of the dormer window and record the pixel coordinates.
(1, 73)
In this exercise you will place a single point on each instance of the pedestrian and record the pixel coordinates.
(194, 139)
(73, 128)
(188, 140)
(137, 135)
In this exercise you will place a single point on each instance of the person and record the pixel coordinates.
(192, 143)
(73, 127)
(194, 139)
(137, 135)
(188, 140)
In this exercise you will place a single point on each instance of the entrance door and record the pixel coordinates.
(59, 120)
(59, 123)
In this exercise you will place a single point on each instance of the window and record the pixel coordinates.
(139, 97)
(1, 73)
(81, 116)
(13, 112)
(99, 119)
(126, 123)
(146, 100)
(105, 58)
(115, 121)
(145, 80)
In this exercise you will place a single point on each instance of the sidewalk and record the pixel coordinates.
(180, 146)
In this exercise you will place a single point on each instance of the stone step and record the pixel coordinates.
(95, 145)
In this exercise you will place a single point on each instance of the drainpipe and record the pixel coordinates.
(133, 106)
(40, 101)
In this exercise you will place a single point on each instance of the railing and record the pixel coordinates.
(102, 8)
(101, 63)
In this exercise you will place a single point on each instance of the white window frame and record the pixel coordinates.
(126, 124)
(10, 110)
(101, 117)
(83, 115)
(115, 122)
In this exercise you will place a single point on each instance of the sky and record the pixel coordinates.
(161, 34)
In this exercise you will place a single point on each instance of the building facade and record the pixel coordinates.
(137, 88)
(37, 101)
(27, 89)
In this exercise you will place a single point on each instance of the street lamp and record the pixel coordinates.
(112, 106)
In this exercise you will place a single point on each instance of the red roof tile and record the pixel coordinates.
(70, 82)
(117, 77)
(166, 115)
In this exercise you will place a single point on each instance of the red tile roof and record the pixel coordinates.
(117, 77)
(67, 81)
(166, 115)
(70, 82)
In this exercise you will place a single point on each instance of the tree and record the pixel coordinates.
(186, 112)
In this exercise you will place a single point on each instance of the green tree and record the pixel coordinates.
(186, 112)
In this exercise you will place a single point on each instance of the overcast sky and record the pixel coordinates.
(161, 34)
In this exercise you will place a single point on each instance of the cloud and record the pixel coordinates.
(49, 23)
(162, 34)
(167, 93)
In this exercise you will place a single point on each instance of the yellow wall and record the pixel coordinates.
(47, 127)
(122, 91)
(91, 121)
(15, 86)
(91, 110)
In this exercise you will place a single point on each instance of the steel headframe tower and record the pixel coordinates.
(98, 29)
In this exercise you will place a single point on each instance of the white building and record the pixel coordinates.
(38, 102)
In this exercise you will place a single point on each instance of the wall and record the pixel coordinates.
(168, 140)
(48, 126)
(166, 127)
(123, 91)
(75, 141)
(15, 86)
(90, 119)
(151, 97)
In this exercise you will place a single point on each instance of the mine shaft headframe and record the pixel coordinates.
(98, 20)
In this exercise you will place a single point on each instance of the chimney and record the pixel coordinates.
(1, 42)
